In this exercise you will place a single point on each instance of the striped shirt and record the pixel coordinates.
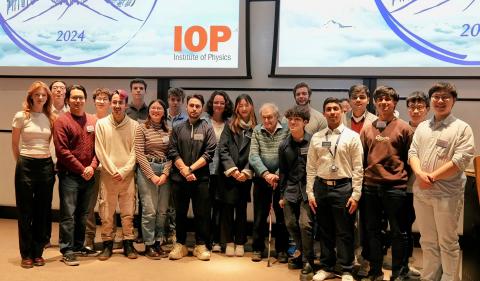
(152, 142)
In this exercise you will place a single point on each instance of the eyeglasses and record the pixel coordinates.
(154, 108)
(77, 98)
(443, 97)
(419, 107)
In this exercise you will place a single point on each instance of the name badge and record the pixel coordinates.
(326, 143)
(90, 128)
(442, 143)
(198, 137)
(381, 124)
(165, 139)
(303, 151)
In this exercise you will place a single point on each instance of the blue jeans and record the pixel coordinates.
(75, 194)
(154, 201)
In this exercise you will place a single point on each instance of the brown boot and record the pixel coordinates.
(107, 251)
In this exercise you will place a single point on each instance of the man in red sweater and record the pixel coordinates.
(74, 139)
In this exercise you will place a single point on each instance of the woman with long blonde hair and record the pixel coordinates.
(34, 172)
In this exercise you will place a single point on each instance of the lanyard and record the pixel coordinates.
(334, 153)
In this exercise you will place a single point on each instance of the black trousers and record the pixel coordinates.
(233, 223)
(262, 198)
(390, 202)
(34, 179)
(216, 210)
(197, 191)
(336, 225)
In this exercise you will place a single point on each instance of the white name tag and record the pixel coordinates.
(90, 128)
(198, 137)
(381, 124)
(165, 139)
(303, 151)
(326, 143)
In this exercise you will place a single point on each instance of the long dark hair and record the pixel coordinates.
(163, 121)
(235, 122)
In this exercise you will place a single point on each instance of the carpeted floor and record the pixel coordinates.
(119, 268)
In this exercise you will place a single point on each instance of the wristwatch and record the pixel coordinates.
(190, 169)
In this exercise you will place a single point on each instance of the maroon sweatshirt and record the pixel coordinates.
(386, 154)
(74, 139)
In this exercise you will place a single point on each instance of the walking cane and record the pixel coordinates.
(269, 264)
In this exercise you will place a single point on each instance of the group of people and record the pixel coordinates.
(313, 169)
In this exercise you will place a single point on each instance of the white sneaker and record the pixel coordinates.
(239, 251)
(216, 248)
(413, 272)
(230, 250)
(347, 277)
(178, 252)
(201, 252)
(322, 275)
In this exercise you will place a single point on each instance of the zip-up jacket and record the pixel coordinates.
(190, 142)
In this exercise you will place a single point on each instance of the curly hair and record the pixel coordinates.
(227, 112)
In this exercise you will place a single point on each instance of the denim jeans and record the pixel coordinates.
(335, 225)
(155, 204)
(75, 194)
(34, 179)
(389, 202)
(299, 222)
(437, 220)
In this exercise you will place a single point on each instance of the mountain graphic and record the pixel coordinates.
(335, 24)
(107, 9)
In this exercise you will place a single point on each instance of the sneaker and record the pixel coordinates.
(414, 273)
(201, 252)
(256, 256)
(239, 251)
(347, 276)
(178, 252)
(323, 275)
(70, 259)
(85, 252)
(216, 248)
(229, 250)
(364, 268)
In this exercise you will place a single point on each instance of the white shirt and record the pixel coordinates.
(348, 158)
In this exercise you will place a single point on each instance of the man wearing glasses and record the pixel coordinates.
(441, 149)
(58, 89)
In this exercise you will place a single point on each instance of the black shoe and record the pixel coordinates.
(256, 256)
(107, 251)
(85, 252)
(282, 257)
(159, 250)
(295, 263)
(70, 259)
(151, 253)
(306, 269)
(128, 249)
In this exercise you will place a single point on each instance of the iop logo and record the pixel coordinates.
(73, 32)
